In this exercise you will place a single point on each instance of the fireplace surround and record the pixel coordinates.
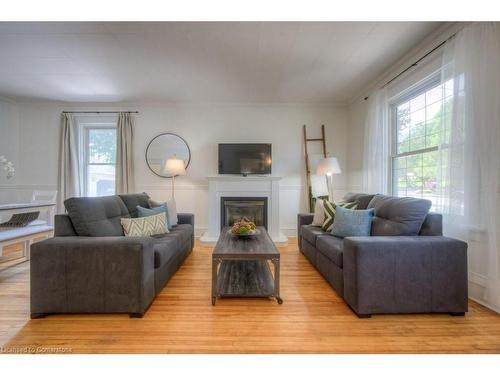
(249, 187)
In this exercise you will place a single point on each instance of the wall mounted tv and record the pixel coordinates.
(245, 158)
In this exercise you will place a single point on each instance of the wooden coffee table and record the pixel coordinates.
(240, 266)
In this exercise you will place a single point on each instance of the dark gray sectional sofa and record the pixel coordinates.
(89, 266)
(405, 266)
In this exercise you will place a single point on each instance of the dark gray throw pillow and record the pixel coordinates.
(97, 216)
(134, 200)
(362, 199)
(398, 216)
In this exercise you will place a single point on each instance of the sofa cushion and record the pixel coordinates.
(331, 247)
(134, 200)
(362, 199)
(170, 244)
(165, 250)
(398, 216)
(97, 216)
(181, 233)
(310, 233)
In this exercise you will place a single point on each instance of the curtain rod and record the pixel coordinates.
(415, 63)
(98, 112)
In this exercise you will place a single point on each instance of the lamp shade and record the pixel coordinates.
(174, 167)
(328, 166)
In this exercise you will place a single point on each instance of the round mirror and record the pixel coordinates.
(163, 147)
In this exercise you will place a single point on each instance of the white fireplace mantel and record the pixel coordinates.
(239, 186)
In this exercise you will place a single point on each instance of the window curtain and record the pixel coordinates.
(124, 157)
(470, 153)
(376, 156)
(69, 182)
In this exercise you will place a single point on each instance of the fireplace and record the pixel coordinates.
(234, 208)
(243, 189)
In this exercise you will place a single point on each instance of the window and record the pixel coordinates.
(99, 155)
(420, 123)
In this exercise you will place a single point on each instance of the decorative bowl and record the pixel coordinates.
(244, 228)
(248, 235)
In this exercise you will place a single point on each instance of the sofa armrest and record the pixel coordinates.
(63, 226)
(187, 219)
(92, 275)
(303, 219)
(405, 274)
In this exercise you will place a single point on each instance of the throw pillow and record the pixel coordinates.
(144, 226)
(330, 208)
(171, 211)
(145, 212)
(398, 216)
(362, 199)
(352, 223)
(319, 213)
(97, 216)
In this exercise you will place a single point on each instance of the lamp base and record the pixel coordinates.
(329, 183)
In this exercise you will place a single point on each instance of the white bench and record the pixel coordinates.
(24, 235)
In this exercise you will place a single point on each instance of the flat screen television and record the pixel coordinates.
(245, 158)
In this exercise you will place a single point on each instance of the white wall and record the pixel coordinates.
(202, 126)
(356, 116)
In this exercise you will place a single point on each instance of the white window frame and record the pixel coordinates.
(413, 91)
(85, 128)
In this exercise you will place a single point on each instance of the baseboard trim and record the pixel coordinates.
(477, 278)
(485, 304)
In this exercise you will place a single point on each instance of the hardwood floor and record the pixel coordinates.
(312, 319)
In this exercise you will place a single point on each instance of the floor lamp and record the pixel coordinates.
(174, 167)
(328, 167)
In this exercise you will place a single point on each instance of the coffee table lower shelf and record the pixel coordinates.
(245, 278)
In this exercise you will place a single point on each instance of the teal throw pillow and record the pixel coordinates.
(144, 212)
(352, 223)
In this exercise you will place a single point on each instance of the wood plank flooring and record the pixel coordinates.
(312, 319)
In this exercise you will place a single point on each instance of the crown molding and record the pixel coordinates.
(159, 104)
(7, 99)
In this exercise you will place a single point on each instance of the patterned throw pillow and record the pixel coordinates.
(144, 226)
(330, 212)
(145, 212)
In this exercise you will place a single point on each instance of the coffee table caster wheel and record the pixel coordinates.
(213, 301)
(280, 301)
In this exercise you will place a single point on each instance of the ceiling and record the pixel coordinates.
(310, 62)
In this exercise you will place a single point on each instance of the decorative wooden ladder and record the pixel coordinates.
(306, 156)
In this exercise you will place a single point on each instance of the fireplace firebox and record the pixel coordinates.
(234, 208)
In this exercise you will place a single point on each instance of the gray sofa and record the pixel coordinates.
(89, 266)
(405, 266)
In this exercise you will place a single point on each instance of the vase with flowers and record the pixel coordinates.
(7, 166)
